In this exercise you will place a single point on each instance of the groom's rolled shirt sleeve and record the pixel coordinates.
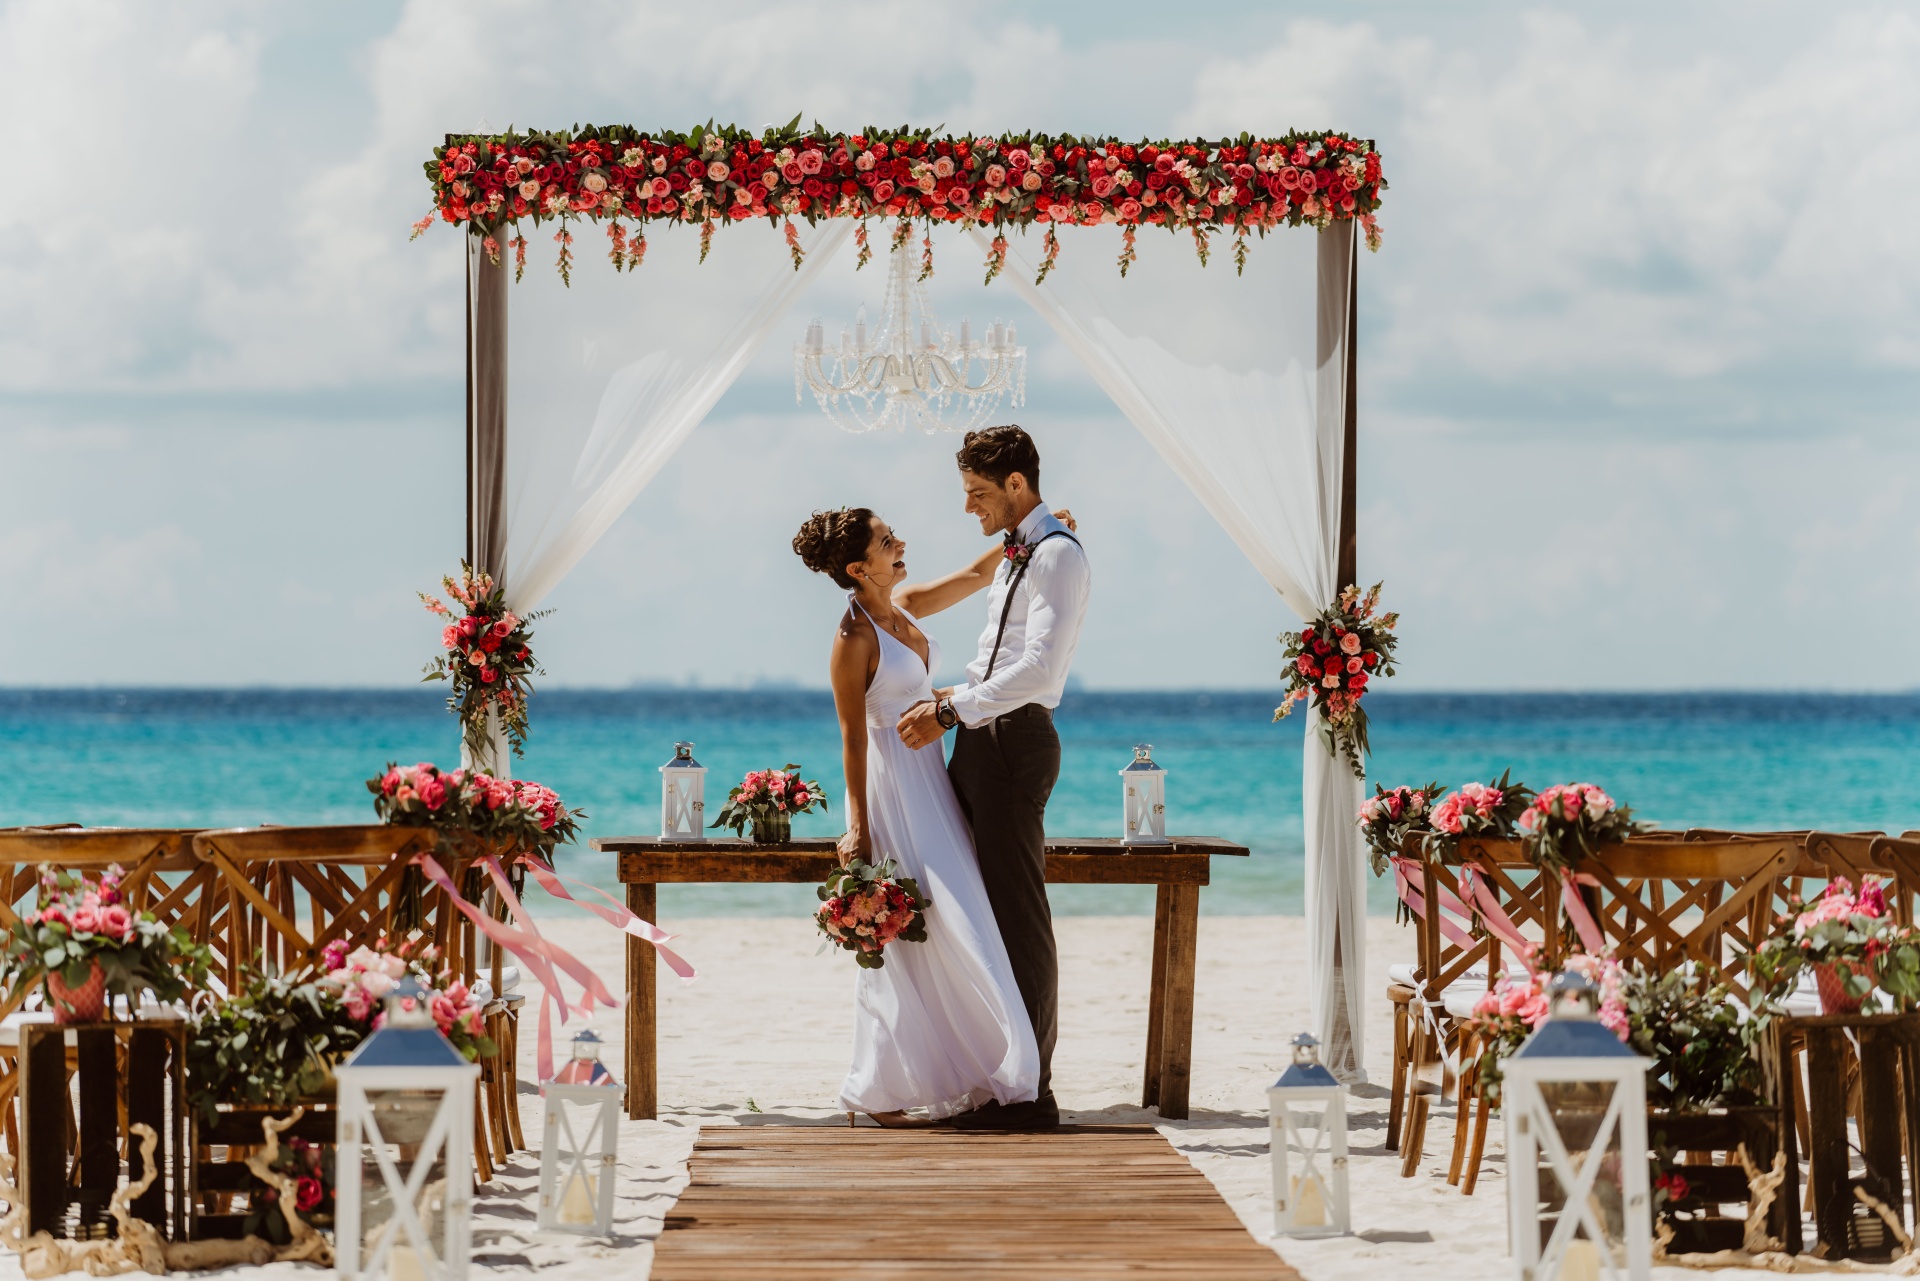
(1057, 588)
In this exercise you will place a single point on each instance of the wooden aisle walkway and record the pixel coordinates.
(820, 1203)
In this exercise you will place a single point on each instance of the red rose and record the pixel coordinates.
(1369, 658)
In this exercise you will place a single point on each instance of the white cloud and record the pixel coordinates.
(1637, 354)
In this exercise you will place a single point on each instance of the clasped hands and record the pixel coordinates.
(920, 724)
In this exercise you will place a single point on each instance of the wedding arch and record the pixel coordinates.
(1259, 420)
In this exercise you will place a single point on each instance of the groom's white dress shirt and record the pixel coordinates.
(1043, 627)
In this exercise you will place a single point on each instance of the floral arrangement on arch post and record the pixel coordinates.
(715, 175)
(768, 799)
(489, 658)
(1850, 943)
(1330, 662)
(86, 945)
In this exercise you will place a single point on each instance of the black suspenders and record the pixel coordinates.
(1013, 585)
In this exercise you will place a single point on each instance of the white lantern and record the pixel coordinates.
(683, 796)
(583, 1134)
(404, 1164)
(1308, 1129)
(1144, 819)
(1575, 1100)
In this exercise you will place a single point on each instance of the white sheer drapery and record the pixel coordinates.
(608, 378)
(1222, 375)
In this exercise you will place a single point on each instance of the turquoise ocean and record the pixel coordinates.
(207, 758)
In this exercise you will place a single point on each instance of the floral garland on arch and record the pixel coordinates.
(486, 183)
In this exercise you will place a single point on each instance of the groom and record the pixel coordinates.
(1006, 755)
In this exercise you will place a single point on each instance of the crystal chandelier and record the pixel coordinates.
(886, 379)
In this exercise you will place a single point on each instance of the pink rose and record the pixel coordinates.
(116, 922)
(1872, 900)
(53, 914)
(1102, 187)
(810, 162)
(86, 920)
(1330, 682)
(1350, 643)
(433, 792)
(1354, 666)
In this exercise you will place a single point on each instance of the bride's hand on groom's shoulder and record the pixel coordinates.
(854, 844)
(1065, 517)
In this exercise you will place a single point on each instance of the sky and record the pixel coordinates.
(1638, 360)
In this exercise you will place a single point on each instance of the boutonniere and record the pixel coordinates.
(1018, 554)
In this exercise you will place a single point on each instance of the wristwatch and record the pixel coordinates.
(944, 713)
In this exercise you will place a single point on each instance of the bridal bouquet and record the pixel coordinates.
(768, 799)
(1330, 662)
(1572, 820)
(1391, 817)
(867, 907)
(489, 658)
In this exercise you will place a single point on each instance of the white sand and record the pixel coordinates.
(764, 1034)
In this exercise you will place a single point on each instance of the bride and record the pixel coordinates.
(941, 1029)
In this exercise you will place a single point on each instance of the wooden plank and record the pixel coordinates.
(761, 865)
(1176, 1035)
(1827, 1152)
(1097, 1201)
(643, 1012)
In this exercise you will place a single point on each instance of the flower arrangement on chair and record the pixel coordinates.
(768, 799)
(1570, 821)
(467, 803)
(87, 945)
(1854, 948)
(1329, 663)
(1391, 816)
(489, 658)
(1478, 809)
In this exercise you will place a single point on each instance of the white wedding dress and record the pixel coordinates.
(941, 1026)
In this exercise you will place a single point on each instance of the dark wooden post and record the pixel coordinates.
(1350, 440)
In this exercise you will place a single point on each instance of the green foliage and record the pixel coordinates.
(271, 1043)
(1704, 1051)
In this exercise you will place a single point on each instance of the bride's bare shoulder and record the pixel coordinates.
(855, 630)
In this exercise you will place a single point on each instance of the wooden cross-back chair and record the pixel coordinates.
(1457, 962)
(161, 876)
(348, 881)
(1643, 892)
(358, 885)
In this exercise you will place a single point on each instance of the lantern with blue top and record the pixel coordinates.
(405, 1156)
(1575, 1100)
(1308, 1129)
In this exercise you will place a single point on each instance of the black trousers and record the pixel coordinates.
(1003, 774)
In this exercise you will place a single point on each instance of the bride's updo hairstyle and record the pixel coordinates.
(831, 541)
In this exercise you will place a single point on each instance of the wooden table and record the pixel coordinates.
(1178, 868)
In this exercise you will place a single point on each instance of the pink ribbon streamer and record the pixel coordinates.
(536, 953)
(1583, 923)
(1498, 923)
(613, 914)
(1416, 901)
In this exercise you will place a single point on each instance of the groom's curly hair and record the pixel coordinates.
(830, 541)
(998, 452)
